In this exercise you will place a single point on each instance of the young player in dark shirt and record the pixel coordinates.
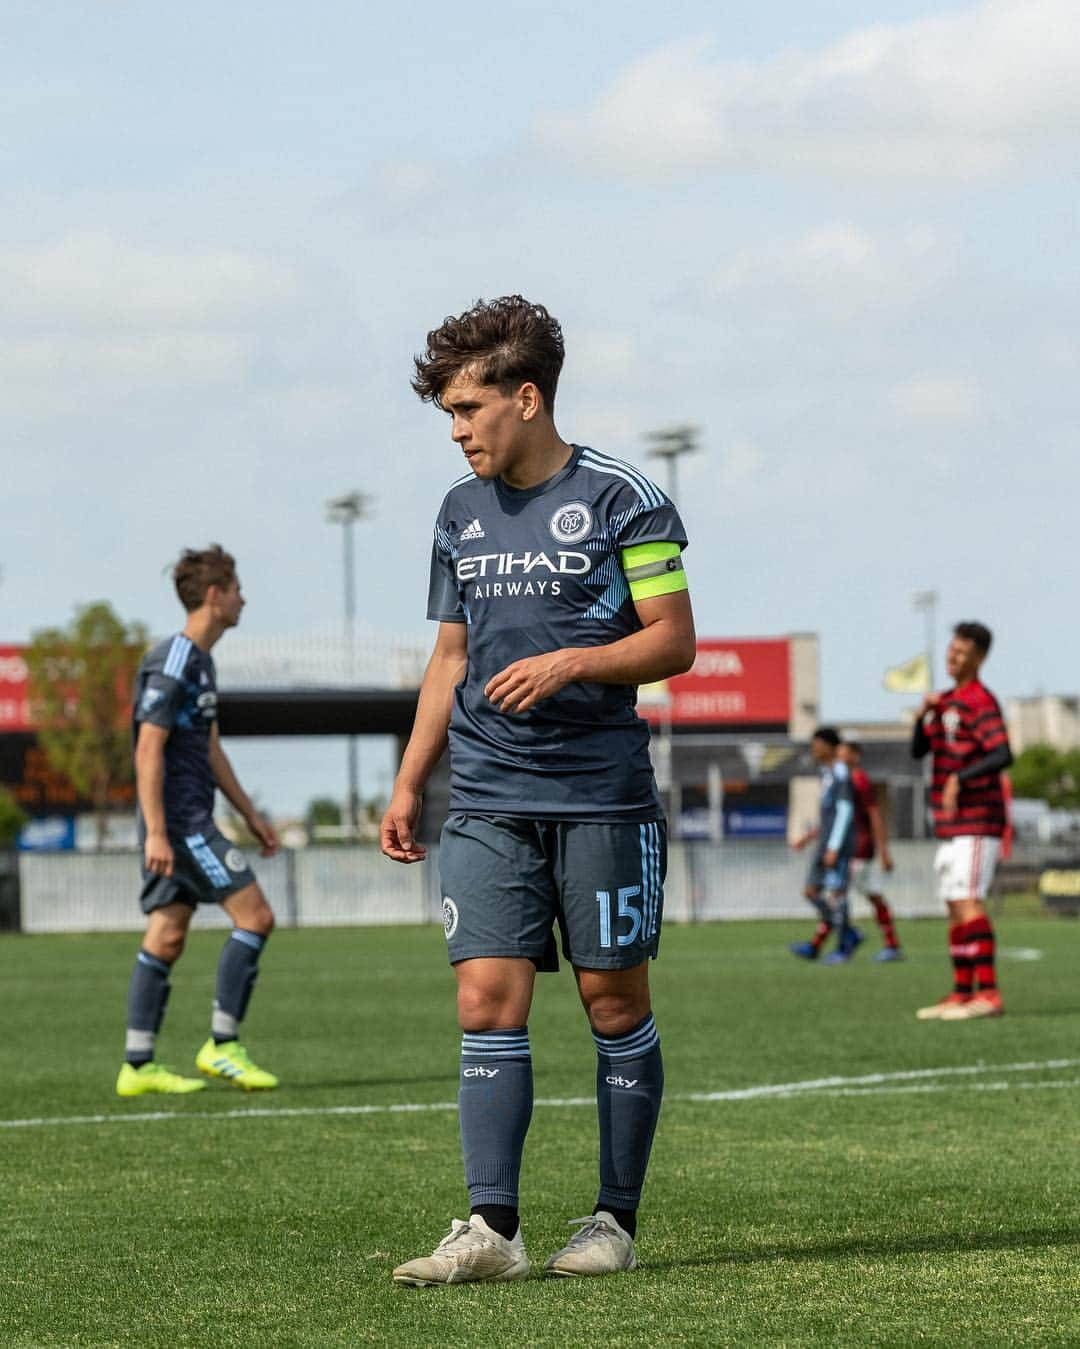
(829, 876)
(964, 731)
(558, 586)
(179, 763)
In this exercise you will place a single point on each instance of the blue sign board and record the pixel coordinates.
(50, 833)
(755, 822)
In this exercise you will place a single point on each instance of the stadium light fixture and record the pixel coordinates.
(671, 444)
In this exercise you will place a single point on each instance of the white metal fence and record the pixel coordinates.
(342, 886)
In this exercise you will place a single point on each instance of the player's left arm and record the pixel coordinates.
(665, 645)
(880, 833)
(229, 785)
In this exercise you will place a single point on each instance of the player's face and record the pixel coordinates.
(962, 659)
(229, 603)
(487, 424)
(820, 751)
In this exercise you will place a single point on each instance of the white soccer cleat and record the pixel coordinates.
(599, 1246)
(470, 1253)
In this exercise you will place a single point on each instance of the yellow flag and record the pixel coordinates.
(911, 677)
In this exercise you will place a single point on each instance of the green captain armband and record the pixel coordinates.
(653, 569)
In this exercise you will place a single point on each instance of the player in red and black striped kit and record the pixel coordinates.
(872, 857)
(964, 730)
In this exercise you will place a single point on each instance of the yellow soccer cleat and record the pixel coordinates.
(231, 1062)
(155, 1077)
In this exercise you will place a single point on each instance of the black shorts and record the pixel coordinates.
(507, 883)
(207, 869)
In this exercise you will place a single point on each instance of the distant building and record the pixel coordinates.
(1047, 719)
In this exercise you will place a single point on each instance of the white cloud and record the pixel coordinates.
(605, 358)
(951, 399)
(101, 281)
(840, 270)
(963, 94)
(740, 463)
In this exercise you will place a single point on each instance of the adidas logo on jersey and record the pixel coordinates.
(473, 531)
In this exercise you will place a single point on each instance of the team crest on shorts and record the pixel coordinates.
(571, 523)
(449, 916)
(235, 860)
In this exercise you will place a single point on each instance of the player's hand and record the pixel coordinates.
(529, 681)
(950, 796)
(266, 834)
(830, 859)
(929, 704)
(886, 860)
(798, 844)
(396, 831)
(158, 854)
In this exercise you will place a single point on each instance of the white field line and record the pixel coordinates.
(870, 1084)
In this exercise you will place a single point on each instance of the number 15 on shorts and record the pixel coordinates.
(624, 909)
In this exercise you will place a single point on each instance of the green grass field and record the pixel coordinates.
(935, 1209)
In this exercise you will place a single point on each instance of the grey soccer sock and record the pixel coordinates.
(629, 1088)
(148, 993)
(824, 911)
(495, 1103)
(840, 918)
(237, 968)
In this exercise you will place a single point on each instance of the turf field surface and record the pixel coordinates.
(826, 1168)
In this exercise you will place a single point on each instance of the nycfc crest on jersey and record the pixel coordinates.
(532, 571)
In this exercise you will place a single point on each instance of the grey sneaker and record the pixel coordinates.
(599, 1246)
(470, 1253)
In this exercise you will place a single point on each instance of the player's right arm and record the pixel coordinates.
(920, 741)
(805, 839)
(150, 789)
(444, 672)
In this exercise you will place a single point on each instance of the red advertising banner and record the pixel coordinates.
(14, 692)
(743, 682)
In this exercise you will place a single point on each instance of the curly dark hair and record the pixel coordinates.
(200, 568)
(506, 342)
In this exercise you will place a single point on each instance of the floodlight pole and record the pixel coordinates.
(345, 511)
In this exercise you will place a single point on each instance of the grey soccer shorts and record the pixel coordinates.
(207, 869)
(834, 879)
(507, 883)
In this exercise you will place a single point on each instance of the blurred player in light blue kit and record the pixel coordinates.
(179, 763)
(829, 876)
(558, 586)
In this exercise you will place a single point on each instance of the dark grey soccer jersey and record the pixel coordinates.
(530, 572)
(176, 687)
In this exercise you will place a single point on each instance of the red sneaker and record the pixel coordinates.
(986, 1002)
(946, 1009)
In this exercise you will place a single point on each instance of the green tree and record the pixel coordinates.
(80, 681)
(1048, 774)
(12, 818)
(323, 810)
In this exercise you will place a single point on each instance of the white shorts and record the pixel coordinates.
(866, 877)
(965, 866)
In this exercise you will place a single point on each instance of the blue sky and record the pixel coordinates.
(847, 251)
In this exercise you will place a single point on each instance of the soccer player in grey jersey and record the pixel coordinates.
(179, 763)
(558, 586)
